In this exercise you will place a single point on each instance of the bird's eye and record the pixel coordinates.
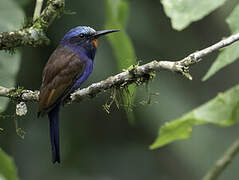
(82, 35)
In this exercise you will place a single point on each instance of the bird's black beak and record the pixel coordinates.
(104, 32)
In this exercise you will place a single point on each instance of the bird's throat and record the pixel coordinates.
(95, 43)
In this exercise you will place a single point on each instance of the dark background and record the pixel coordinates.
(100, 146)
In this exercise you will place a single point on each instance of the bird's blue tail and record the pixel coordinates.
(54, 133)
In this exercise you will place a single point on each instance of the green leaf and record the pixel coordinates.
(117, 15)
(184, 12)
(11, 17)
(223, 110)
(8, 169)
(229, 54)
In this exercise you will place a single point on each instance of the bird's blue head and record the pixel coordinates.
(84, 39)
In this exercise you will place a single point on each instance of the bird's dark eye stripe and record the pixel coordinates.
(74, 39)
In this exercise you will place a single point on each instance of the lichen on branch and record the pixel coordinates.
(35, 34)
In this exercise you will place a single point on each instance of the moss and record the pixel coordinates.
(121, 97)
(54, 10)
(111, 100)
(145, 78)
(142, 79)
(40, 24)
(15, 93)
(120, 93)
(132, 68)
(11, 51)
(116, 97)
(10, 40)
(20, 132)
(185, 72)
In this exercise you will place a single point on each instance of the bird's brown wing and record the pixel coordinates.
(61, 71)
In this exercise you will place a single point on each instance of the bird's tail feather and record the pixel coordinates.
(54, 133)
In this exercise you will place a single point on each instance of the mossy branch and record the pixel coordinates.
(35, 34)
(134, 74)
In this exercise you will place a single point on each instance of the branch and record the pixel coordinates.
(223, 162)
(132, 75)
(38, 7)
(196, 57)
(34, 35)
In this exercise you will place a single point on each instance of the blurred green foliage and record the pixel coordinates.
(183, 13)
(93, 148)
(117, 17)
(222, 110)
(7, 167)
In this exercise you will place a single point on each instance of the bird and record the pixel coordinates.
(67, 68)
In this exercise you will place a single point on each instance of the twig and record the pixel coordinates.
(19, 94)
(223, 162)
(34, 35)
(195, 57)
(38, 8)
(132, 75)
